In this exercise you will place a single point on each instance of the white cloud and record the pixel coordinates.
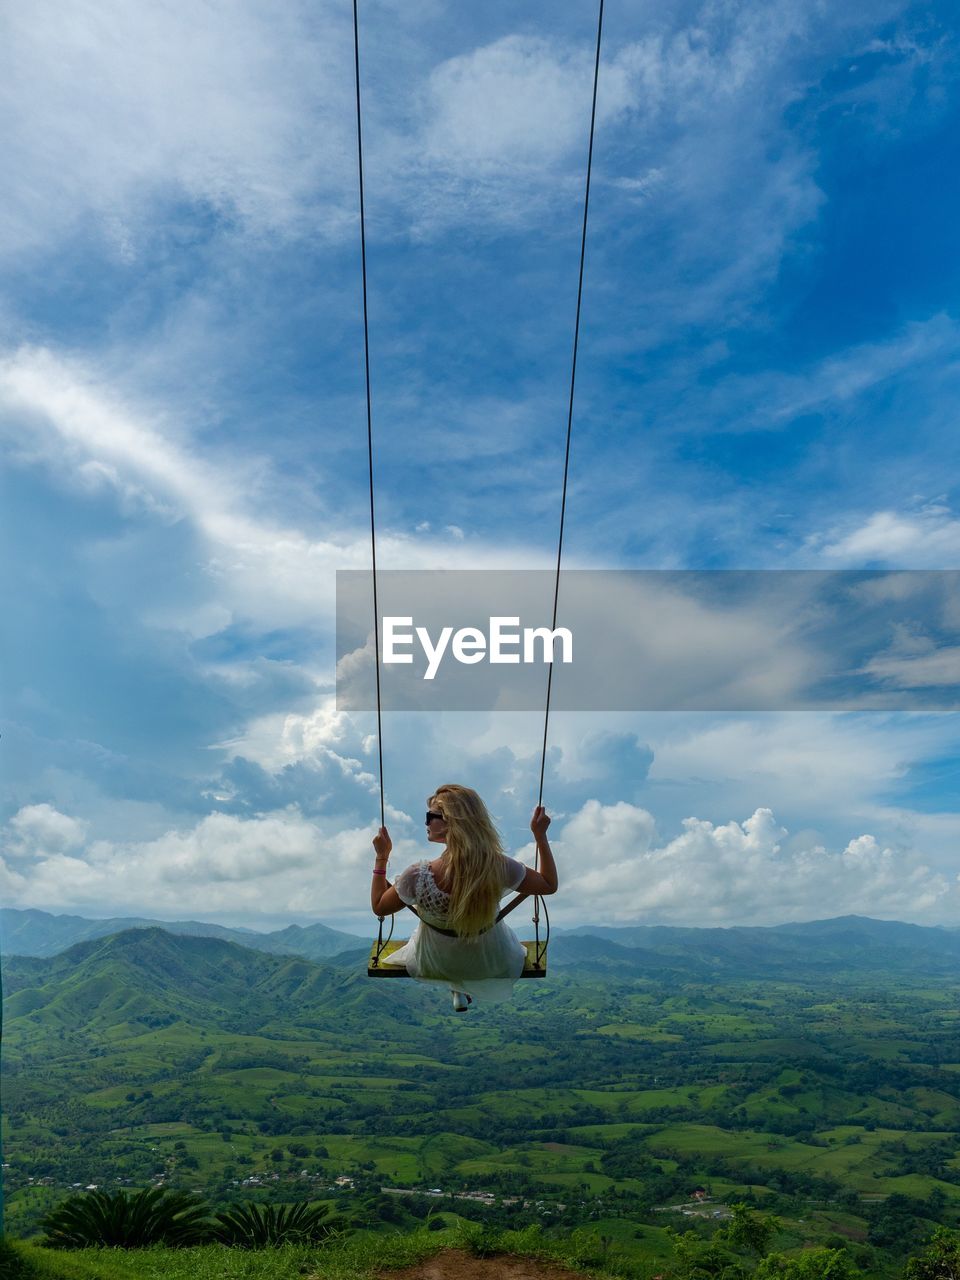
(520, 103)
(928, 538)
(275, 864)
(115, 110)
(917, 664)
(64, 416)
(613, 870)
(737, 873)
(829, 768)
(276, 740)
(12, 883)
(112, 107)
(40, 830)
(685, 122)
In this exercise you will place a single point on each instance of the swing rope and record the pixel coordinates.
(573, 384)
(366, 369)
(538, 902)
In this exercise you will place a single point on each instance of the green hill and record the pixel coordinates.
(151, 978)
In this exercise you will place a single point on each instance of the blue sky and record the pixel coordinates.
(768, 378)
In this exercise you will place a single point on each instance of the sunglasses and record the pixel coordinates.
(431, 816)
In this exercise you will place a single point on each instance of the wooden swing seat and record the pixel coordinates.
(535, 965)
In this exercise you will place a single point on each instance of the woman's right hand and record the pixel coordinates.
(539, 822)
(383, 844)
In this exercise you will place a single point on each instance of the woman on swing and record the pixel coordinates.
(459, 942)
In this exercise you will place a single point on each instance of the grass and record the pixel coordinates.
(361, 1257)
(210, 1262)
(637, 1031)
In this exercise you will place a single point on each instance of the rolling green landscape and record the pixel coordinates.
(654, 1080)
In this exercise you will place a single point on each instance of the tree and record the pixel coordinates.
(940, 1260)
(749, 1231)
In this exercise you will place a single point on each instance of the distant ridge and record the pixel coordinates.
(814, 948)
(39, 933)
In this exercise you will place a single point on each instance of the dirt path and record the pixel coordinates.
(453, 1264)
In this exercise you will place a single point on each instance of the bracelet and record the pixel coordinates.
(377, 871)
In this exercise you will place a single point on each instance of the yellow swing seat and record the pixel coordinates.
(379, 966)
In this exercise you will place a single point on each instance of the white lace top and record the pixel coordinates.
(417, 887)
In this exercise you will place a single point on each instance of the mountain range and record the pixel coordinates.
(819, 948)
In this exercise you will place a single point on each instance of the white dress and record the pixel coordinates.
(486, 967)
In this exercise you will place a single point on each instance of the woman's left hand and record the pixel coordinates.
(382, 843)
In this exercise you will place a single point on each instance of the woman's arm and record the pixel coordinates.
(543, 882)
(384, 899)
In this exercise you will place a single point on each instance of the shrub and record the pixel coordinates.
(480, 1239)
(697, 1259)
(152, 1216)
(251, 1226)
(586, 1247)
(812, 1264)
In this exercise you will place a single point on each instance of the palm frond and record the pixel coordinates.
(121, 1220)
(252, 1226)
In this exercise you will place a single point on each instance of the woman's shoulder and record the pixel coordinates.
(408, 880)
(513, 871)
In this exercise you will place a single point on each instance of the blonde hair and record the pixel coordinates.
(475, 857)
